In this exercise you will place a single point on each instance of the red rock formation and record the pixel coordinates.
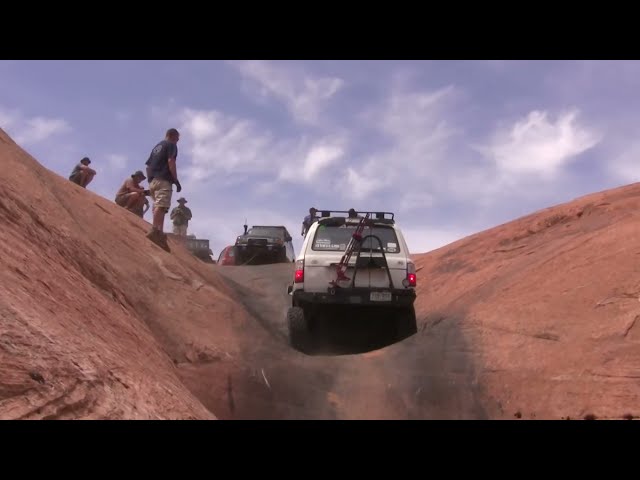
(549, 305)
(92, 313)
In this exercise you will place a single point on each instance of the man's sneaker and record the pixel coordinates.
(163, 242)
(159, 238)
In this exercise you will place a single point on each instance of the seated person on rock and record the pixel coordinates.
(82, 174)
(131, 195)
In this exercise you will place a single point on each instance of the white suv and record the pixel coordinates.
(379, 271)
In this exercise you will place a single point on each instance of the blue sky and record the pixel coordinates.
(452, 147)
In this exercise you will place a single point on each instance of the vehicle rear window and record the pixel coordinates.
(330, 238)
(266, 232)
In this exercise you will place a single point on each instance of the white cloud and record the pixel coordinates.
(418, 129)
(416, 201)
(537, 145)
(303, 95)
(626, 166)
(480, 184)
(220, 144)
(415, 129)
(315, 164)
(40, 128)
(29, 131)
(318, 158)
(406, 113)
(117, 161)
(360, 185)
(6, 119)
(417, 158)
(227, 150)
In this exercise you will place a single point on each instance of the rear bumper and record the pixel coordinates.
(358, 296)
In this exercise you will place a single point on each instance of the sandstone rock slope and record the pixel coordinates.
(93, 315)
(549, 305)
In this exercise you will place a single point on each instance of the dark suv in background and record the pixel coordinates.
(264, 244)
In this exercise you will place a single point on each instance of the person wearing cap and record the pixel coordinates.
(308, 220)
(181, 216)
(353, 213)
(131, 195)
(82, 174)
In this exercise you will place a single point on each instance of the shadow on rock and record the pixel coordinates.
(437, 371)
(339, 330)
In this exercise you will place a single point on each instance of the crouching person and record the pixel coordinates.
(82, 174)
(131, 195)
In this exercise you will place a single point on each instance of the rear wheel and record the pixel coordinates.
(299, 332)
(406, 324)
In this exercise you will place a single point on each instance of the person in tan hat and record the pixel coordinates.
(181, 216)
(131, 195)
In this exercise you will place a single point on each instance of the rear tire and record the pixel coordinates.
(406, 323)
(299, 334)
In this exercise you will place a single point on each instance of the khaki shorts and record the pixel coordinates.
(180, 230)
(161, 191)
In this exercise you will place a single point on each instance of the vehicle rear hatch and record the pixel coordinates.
(328, 247)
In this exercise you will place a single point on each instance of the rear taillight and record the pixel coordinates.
(299, 275)
(411, 274)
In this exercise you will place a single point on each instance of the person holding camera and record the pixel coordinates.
(132, 196)
(181, 216)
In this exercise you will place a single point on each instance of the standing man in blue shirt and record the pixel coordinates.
(162, 174)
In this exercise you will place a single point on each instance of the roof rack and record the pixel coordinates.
(375, 217)
(273, 226)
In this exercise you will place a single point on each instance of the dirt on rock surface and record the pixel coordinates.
(536, 318)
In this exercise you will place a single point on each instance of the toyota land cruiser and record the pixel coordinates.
(355, 260)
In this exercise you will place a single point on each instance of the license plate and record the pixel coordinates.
(380, 296)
